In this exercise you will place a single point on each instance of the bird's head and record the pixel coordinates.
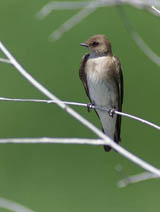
(98, 45)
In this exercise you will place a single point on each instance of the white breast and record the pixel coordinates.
(102, 91)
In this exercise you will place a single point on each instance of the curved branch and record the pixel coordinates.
(137, 38)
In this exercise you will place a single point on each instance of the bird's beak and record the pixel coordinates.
(84, 44)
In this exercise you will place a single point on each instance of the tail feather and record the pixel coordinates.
(107, 148)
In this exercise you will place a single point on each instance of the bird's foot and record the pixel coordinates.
(90, 106)
(111, 112)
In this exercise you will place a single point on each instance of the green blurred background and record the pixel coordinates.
(74, 177)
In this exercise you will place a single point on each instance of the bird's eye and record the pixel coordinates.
(95, 43)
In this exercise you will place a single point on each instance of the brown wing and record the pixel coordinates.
(82, 74)
(119, 81)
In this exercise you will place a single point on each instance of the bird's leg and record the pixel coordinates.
(111, 112)
(90, 106)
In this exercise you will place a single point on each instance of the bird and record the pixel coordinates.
(101, 75)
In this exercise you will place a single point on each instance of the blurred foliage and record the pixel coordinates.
(72, 177)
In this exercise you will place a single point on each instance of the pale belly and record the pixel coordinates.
(102, 93)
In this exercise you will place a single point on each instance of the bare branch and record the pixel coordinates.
(138, 119)
(155, 9)
(13, 206)
(83, 105)
(3, 60)
(71, 5)
(74, 20)
(47, 140)
(77, 116)
(137, 38)
(51, 6)
(42, 101)
(89, 7)
(136, 179)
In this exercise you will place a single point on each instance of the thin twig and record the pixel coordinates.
(42, 101)
(136, 179)
(71, 5)
(89, 7)
(155, 9)
(3, 60)
(51, 6)
(13, 206)
(77, 116)
(137, 38)
(138, 119)
(74, 20)
(84, 105)
(47, 140)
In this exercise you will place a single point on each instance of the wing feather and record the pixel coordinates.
(82, 74)
(119, 80)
